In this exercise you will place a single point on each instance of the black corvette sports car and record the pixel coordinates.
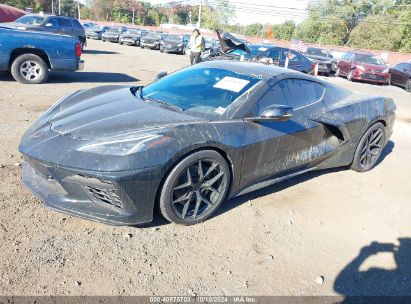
(194, 138)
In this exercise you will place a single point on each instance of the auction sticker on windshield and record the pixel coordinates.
(231, 84)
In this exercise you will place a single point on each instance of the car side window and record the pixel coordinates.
(301, 92)
(275, 54)
(53, 22)
(275, 95)
(64, 22)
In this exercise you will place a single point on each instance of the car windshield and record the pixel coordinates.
(318, 52)
(370, 59)
(134, 32)
(31, 20)
(154, 35)
(173, 38)
(114, 30)
(200, 90)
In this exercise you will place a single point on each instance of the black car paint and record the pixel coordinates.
(113, 34)
(325, 62)
(132, 37)
(152, 40)
(96, 32)
(401, 75)
(324, 134)
(175, 46)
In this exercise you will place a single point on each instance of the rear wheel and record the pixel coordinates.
(29, 69)
(369, 149)
(408, 85)
(195, 188)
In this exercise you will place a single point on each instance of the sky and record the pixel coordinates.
(262, 11)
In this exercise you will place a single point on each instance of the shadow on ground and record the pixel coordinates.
(352, 282)
(98, 52)
(78, 77)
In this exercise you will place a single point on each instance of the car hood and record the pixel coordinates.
(230, 43)
(372, 66)
(105, 111)
(319, 58)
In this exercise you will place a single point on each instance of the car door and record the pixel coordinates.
(399, 74)
(344, 64)
(276, 147)
(294, 59)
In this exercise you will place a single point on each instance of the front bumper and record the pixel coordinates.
(129, 40)
(116, 198)
(110, 38)
(324, 67)
(93, 36)
(155, 45)
(173, 49)
(370, 76)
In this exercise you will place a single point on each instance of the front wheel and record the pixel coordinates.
(195, 188)
(370, 148)
(29, 69)
(349, 76)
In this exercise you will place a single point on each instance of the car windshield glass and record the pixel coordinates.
(173, 38)
(259, 50)
(154, 35)
(134, 32)
(32, 20)
(202, 90)
(114, 30)
(370, 59)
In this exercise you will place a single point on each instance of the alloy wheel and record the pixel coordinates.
(371, 148)
(408, 85)
(30, 70)
(198, 189)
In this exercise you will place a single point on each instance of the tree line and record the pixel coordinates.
(373, 24)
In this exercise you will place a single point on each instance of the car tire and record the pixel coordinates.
(408, 85)
(29, 69)
(369, 149)
(142, 46)
(189, 194)
(120, 42)
(161, 50)
(183, 52)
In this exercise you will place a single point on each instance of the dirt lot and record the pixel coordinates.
(276, 241)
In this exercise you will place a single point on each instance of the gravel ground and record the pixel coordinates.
(298, 237)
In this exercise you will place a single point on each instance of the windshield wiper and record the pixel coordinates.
(171, 106)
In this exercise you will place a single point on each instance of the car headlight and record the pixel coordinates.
(121, 147)
(180, 44)
(360, 67)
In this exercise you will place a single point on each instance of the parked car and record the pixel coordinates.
(322, 57)
(152, 40)
(132, 36)
(47, 51)
(363, 66)
(113, 34)
(50, 23)
(337, 55)
(401, 75)
(197, 137)
(175, 44)
(271, 54)
(96, 32)
(89, 24)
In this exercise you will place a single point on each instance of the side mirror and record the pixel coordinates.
(49, 24)
(274, 113)
(160, 75)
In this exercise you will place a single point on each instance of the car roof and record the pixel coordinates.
(249, 68)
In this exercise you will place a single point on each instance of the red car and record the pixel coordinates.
(363, 66)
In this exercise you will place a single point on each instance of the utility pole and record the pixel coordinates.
(199, 14)
(189, 15)
(59, 7)
(133, 14)
(52, 7)
(78, 8)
